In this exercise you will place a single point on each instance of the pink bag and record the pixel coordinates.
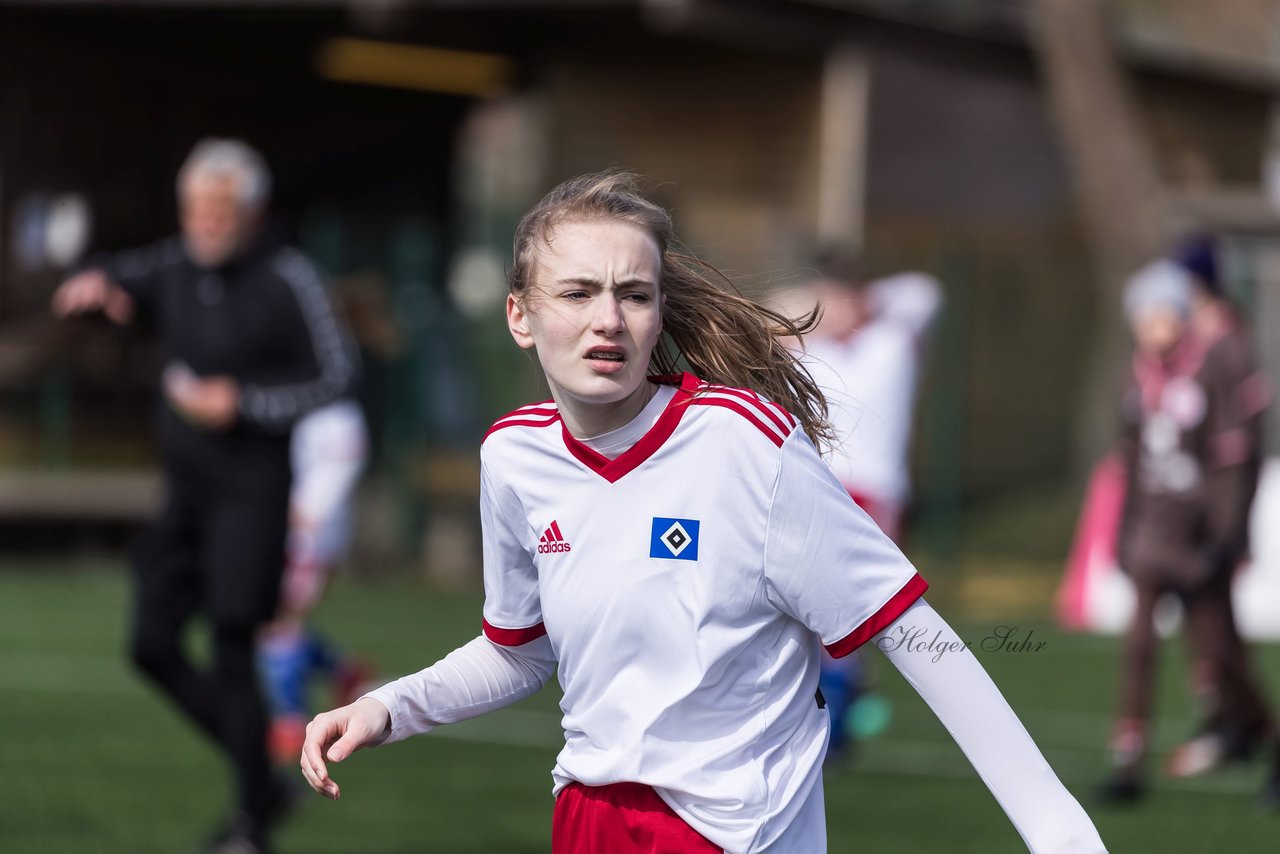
(1093, 551)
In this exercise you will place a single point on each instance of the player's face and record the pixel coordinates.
(215, 223)
(593, 312)
(1157, 330)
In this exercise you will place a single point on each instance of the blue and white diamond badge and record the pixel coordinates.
(674, 539)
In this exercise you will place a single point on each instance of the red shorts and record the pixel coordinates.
(624, 818)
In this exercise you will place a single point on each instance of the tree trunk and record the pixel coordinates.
(1117, 187)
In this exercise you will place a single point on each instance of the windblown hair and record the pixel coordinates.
(721, 335)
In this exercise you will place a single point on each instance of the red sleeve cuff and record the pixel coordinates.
(513, 637)
(889, 611)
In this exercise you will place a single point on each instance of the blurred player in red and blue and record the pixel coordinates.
(328, 452)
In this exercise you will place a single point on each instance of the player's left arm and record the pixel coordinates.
(830, 568)
(966, 701)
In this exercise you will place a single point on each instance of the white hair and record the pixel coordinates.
(220, 157)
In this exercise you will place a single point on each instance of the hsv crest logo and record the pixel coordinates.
(674, 539)
(552, 540)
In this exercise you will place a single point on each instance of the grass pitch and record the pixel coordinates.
(91, 759)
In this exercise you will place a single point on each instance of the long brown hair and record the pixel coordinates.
(721, 335)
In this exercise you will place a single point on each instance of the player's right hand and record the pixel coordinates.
(93, 291)
(336, 735)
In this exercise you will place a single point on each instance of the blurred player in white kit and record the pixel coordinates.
(328, 452)
(866, 354)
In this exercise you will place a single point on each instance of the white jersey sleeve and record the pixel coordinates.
(827, 565)
(512, 606)
(911, 299)
(966, 701)
(473, 680)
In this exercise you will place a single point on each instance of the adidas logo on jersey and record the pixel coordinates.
(552, 540)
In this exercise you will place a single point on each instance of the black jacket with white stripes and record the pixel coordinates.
(264, 319)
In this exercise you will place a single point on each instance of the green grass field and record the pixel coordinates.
(92, 761)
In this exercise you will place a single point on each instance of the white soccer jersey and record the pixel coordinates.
(685, 587)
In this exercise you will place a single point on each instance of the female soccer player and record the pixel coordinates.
(676, 547)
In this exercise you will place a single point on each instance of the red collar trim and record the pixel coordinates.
(612, 470)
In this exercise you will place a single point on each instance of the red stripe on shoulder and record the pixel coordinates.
(873, 625)
(542, 407)
(536, 405)
(532, 415)
(513, 637)
(743, 410)
(772, 411)
(546, 422)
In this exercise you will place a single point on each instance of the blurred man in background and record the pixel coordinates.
(249, 344)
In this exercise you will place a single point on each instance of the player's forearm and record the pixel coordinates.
(475, 679)
(969, 705)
